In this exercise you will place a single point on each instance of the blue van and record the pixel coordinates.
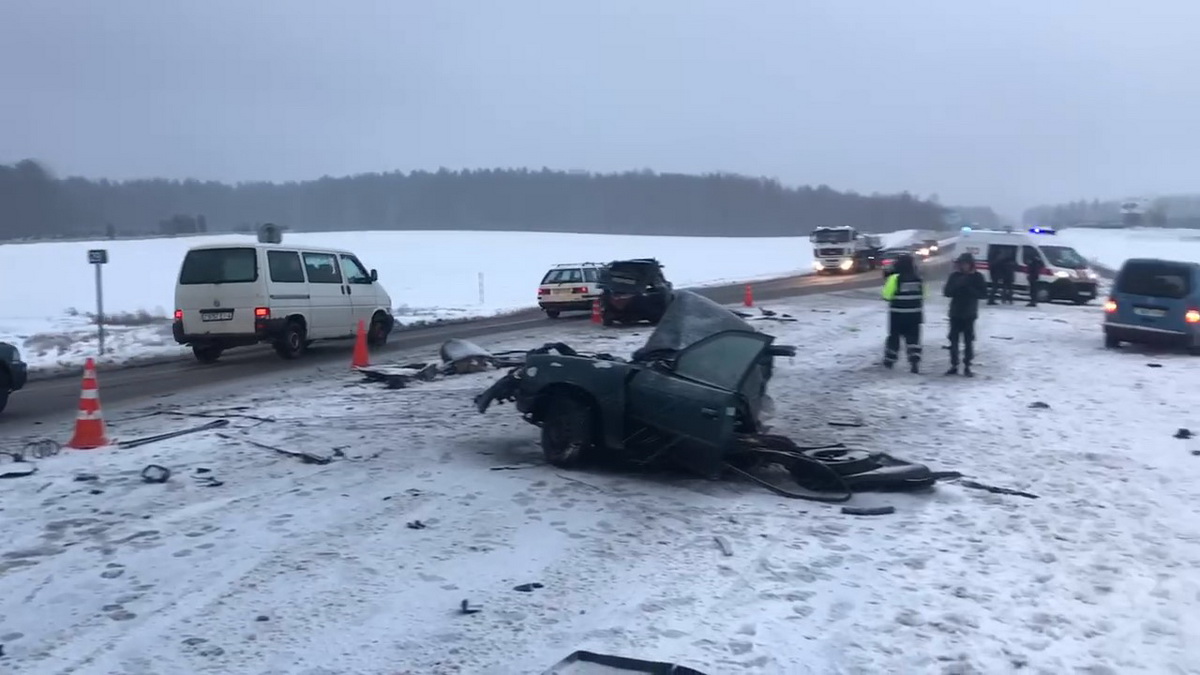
(1154, 302)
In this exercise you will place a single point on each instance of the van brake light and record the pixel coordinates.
(1192, 316)
(1110, 306)
(179, 315)
(262, 312)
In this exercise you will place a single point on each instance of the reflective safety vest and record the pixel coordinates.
(904, 297)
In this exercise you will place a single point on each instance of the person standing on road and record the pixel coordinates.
(1033, 270)
(905, 293)
(965, 288)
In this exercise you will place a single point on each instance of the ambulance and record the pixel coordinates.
(1065, 274)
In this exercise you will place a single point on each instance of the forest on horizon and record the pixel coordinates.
(34, 204)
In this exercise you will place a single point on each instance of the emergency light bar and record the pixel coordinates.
(1041, 230)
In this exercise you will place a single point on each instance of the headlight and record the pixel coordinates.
(1092, 275)
(846, 264)
(817, 265)
(923, 251)
(1062, 274)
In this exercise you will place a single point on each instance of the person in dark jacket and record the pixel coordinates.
(905, 293)
(965, 288)
(1033, 270)
(1008, 275)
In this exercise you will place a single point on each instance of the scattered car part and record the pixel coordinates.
(996, 490)
(528, 588)
(215, 424)
(1183, 433)
(415, 525)
(306, 457)
(724, 545)
(156, 473)
(592, 663)
(467, 608)
(18, 469)
(868, 510)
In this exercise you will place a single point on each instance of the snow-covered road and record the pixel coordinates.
(288, 567)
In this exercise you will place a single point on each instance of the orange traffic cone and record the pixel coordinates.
(748, 297)
(596, 318)
(89, 423)
(362, 358)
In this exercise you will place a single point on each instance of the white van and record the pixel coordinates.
(1065, 274)
(229, 295)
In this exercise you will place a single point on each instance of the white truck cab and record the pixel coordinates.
(233, 294)
(1065, 274)
(844, 249)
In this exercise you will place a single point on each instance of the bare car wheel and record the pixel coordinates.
(569, 431)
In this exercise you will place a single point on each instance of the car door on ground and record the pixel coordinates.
(360, 290)
(332, 315)
(288, 288)
(697, 398)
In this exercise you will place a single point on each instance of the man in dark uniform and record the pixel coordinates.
(905, 293)
(1008, 275)
(1033, 270)
(965, 288)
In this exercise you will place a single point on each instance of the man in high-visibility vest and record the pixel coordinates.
(905, 293)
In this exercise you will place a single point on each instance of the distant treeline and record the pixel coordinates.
(35, 204)
(1168, 211)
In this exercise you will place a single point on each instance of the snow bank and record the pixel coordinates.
(265, 572)
(1111, 248)
(430, 276)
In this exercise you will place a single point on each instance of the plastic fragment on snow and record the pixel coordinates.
(868, 510)
(724, 545)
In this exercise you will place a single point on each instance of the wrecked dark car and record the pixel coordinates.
(633, 290)
(694, 396)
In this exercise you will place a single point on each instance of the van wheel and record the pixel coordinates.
(552, 313)
(207, 353)
(377, 334)
(292, 343)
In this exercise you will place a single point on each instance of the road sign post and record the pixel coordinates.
(99, 258)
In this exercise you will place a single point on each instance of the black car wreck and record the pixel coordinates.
(693, 396)
(633, 290)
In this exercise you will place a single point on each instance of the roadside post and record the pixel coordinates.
(98, 257)
(481, 288)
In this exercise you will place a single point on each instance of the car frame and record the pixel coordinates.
(14, 373)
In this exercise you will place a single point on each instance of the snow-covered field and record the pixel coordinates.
(430, 275)
(287, 567)
(1113, 247)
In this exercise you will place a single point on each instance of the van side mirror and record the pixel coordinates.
(374, 275)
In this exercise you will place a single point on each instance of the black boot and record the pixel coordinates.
(914, 368)
(967, 371)
(954, 370)
(889, 364)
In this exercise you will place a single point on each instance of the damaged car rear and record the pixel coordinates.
(694, 396)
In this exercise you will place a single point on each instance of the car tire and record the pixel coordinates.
(606, 318)
(569, 430)
(377, 334)
(552, 313)
(1043, 294)
(207, 353)
(1111, 342)
(292, 343)
(5, 385)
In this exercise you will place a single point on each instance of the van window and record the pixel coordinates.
(322, 268)
(285, 267)
(1156, 279)
(1064, 256)
(563, 276)
(219, 266)
(355, 274)
(591, 274)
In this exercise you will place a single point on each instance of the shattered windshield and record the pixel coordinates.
(1064, 256)
(689, 319)
(830, 236)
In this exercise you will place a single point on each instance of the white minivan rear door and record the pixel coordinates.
(332, 313)
(218, 290)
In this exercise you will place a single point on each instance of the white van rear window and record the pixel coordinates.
(219, 266)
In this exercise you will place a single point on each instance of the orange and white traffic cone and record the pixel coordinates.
(362, 357)
(748, 296)
(89, 422)
(596, 317)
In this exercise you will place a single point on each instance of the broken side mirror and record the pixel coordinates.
(374, 276)
(781, 350)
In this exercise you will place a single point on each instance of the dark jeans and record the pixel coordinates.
(1002, 287)
(964, 328)
(907, 327)
(1033, 290)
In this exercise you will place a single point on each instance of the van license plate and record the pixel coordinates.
(217, 316)
(1142, 311)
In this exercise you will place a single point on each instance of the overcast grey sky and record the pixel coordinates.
(1005, 103)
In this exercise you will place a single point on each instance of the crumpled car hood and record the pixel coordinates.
(689, 319)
